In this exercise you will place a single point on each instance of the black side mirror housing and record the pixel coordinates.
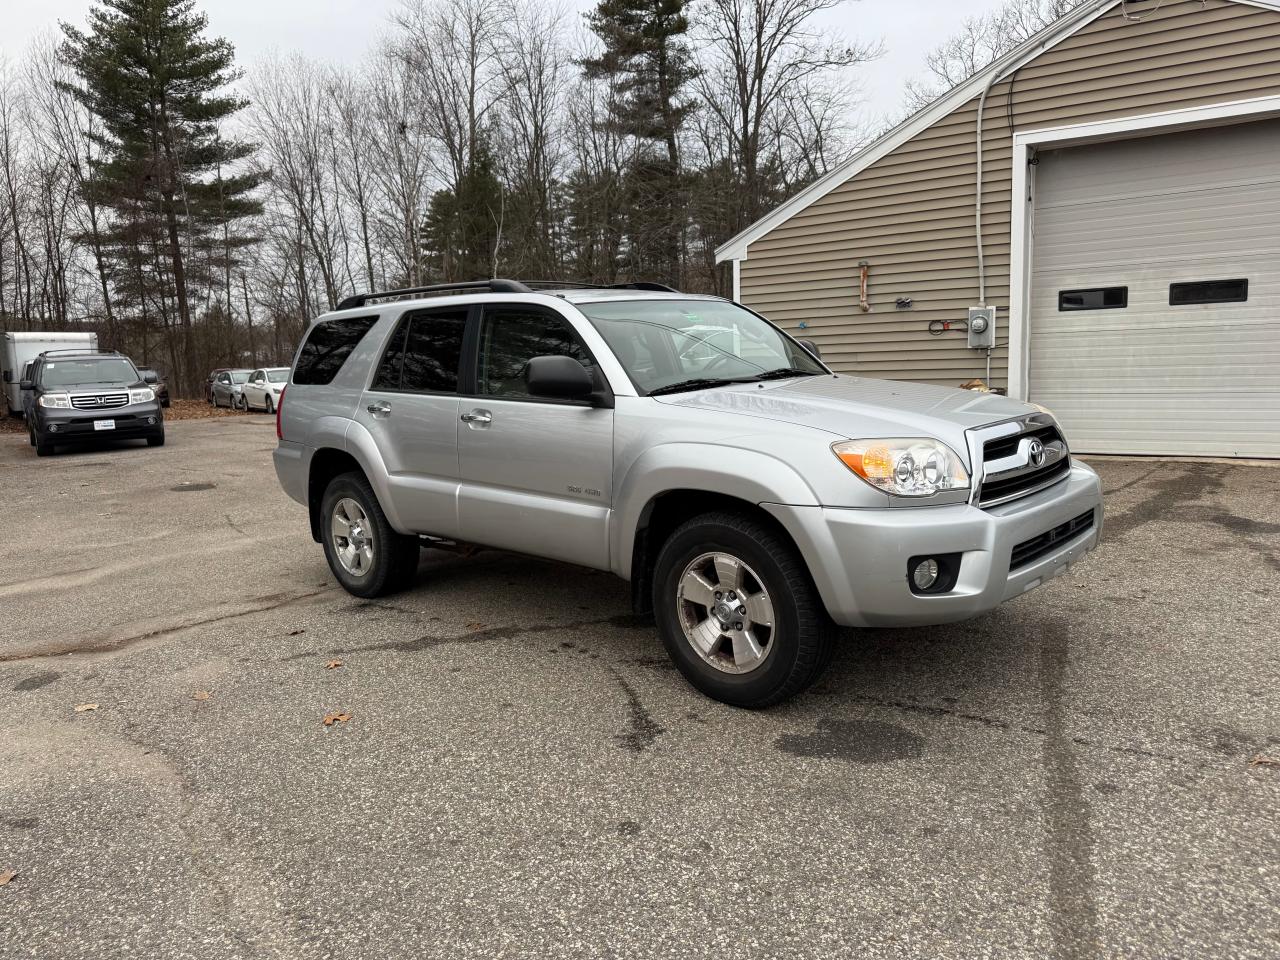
(26, 385)
(150, 377)
(812, 348)
(558, 378)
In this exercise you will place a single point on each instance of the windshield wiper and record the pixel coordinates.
(696, 384)
(783, 372)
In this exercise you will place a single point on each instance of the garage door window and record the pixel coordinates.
(1094, 298)
(1208, 291)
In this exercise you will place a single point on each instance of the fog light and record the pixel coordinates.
(150, 421)
(53, 428)
(925, 574)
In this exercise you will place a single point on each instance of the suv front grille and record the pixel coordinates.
(1020, 459)
(99, 401)
(1029, 551)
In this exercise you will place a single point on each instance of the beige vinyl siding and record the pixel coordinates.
(911, 214)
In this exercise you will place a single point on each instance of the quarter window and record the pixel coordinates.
(1094, 298)
(328, 347)
(1208, 291)
(512, 336)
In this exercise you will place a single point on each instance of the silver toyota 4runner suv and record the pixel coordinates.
(754, 499)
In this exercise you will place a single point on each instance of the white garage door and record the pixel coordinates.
(1155, 292)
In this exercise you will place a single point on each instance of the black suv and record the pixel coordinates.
(78, 395)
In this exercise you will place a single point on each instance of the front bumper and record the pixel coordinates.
(858, 558)
(77, 426)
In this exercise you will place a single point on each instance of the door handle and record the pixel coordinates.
(380, 408)
(477, 416)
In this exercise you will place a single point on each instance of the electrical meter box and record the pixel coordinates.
(982, 328)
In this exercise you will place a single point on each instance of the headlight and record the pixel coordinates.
(911, 467)
(142, 395)
(61, 400)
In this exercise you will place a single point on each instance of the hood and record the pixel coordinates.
(80, 388)
(856, 408)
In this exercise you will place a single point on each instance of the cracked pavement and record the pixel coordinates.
(524, 775)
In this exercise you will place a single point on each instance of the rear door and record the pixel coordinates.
(537, 474)
(411, 410)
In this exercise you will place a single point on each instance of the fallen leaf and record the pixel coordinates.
(331, 718)
(6, 876)
(82, 707)
(1261, 761)
(201, 695)
(294, 633)
(333, 665)
(475, 626)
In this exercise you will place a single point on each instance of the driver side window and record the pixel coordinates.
(511, 336)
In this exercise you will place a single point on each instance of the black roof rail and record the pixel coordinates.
(578, 285)
(83, 351)
(492, 286)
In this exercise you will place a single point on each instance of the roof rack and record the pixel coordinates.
(492, 286)
(577, 285)
(499, 286)
(82, 351)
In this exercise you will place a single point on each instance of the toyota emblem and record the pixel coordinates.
(1035, 453)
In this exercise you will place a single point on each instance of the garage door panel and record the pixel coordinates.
(1151, 377)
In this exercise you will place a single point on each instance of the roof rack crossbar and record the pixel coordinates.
(579, 285)
(492, 286)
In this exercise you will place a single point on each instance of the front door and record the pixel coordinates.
(411, 410)
(537, 474)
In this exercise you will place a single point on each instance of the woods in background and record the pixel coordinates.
(197, 216)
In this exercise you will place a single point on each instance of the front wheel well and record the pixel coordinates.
(326, 464)
(663, 514)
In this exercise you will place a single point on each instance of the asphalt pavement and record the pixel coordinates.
(1081, 773)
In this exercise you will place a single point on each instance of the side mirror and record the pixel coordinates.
(26, 385)
(150, 377)
(811, 347)
(558, 378)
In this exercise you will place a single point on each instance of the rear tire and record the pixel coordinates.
(773, 586)
(391, 561)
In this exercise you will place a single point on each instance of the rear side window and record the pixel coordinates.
(328, 347)
(424, 353)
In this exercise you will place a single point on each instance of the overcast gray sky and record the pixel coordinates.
(342, 30)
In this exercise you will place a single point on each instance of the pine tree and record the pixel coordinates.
(647, 63)
(157, 86)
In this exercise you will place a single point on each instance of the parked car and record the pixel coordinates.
(78, 396)
(754, 498)
(157, 383)
(262, 391)
(226, 388)
(21, 347)
(208, 383)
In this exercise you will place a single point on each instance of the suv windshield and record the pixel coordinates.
(669, 345)
(71, 373)
(278, 376)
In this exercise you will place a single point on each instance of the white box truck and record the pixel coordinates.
(22, 347)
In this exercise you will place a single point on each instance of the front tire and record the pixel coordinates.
(738, 612)
(271, 405)
(366, 555)
(157, 440)
(43, 449)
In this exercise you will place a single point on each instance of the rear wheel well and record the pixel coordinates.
(660, 518)
(325, 465)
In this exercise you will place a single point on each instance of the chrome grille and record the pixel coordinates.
(100, 401)
(1018, 458)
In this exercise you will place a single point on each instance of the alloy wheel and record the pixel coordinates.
(725, 613)
(352, 535)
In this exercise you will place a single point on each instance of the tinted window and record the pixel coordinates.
(512, 336)
(1209, 291)
(327, 348)
(1094, 298)
(387, 376)
(433, 351)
